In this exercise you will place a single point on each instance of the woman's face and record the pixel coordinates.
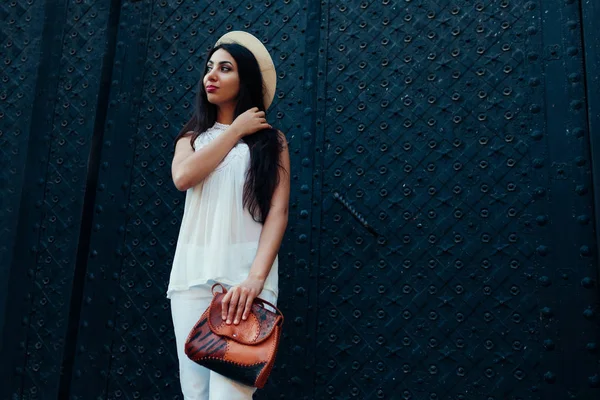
(222, 81)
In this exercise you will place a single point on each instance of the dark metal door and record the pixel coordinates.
(441, 237)
(457, 247)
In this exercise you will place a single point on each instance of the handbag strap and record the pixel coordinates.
(256, 300)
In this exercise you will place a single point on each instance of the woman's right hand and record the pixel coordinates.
(250, 122)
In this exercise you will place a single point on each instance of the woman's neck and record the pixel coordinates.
(225, 114)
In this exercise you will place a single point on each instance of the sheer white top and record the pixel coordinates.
(218, 238)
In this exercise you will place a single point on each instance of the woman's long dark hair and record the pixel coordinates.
(265, 146)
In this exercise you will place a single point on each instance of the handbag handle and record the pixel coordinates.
(257, 300)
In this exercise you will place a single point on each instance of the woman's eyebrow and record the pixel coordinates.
(220, 62)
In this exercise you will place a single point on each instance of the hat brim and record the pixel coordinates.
(265, 62)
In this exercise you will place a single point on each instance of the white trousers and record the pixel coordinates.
(197, 382)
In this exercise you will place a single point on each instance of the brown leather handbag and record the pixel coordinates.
(244, 352)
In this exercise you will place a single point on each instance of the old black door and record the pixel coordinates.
(441, 242)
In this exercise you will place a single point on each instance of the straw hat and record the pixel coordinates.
(263, 57)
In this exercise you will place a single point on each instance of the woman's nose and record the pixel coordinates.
(211, 75)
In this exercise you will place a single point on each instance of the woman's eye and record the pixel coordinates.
(225, 69)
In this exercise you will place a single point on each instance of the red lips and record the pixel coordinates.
(211, 89)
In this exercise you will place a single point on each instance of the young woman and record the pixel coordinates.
(234, 168)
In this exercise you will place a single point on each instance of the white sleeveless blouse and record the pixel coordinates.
(218, 238)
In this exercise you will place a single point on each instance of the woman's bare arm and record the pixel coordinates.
(237, 302)
(276, 222)
(189, 168)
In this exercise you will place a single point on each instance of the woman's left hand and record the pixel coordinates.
(237, 303)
